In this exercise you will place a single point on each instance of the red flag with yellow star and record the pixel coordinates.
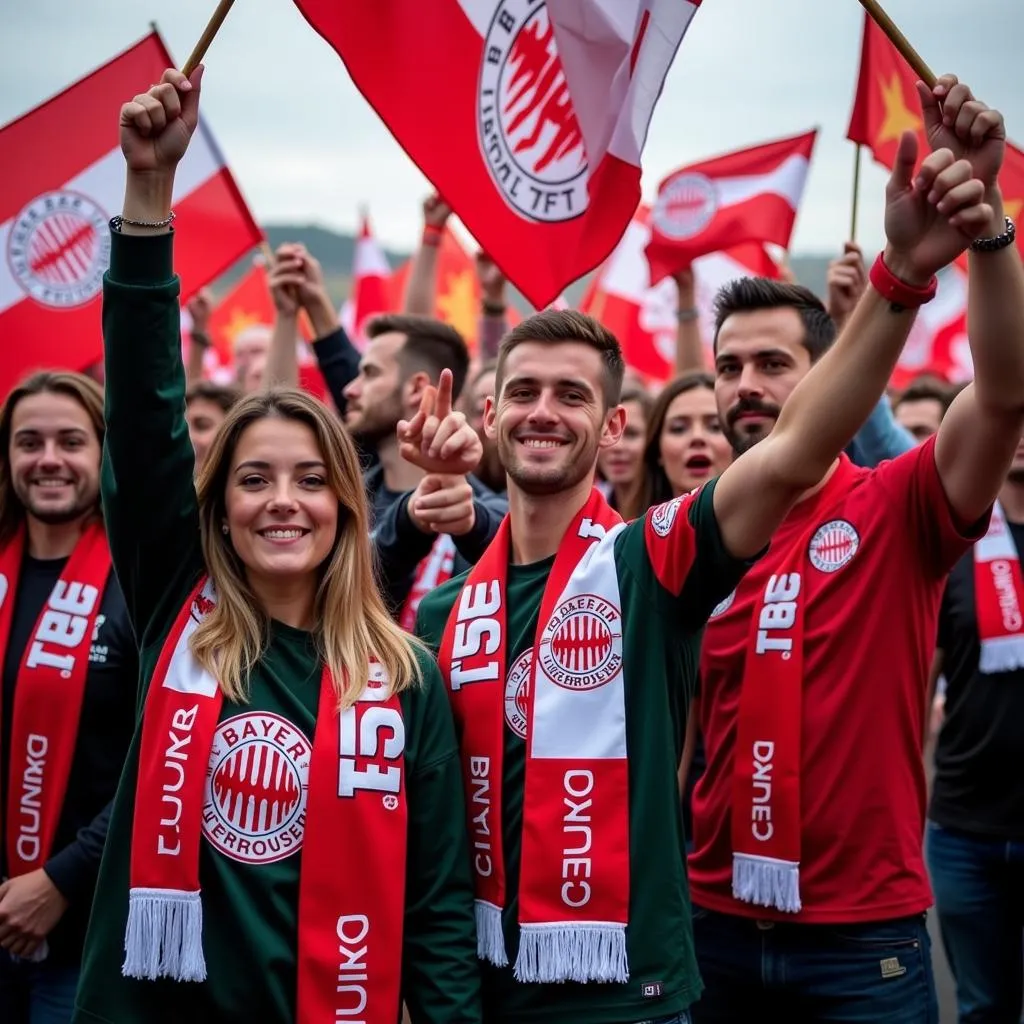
(886, 104)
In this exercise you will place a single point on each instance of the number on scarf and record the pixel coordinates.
(361, 739)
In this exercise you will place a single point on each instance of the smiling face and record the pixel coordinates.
(691, 446)
(760, 359)
(550, 421)
(621, 463)
(374, 397)
(281, 513)
(54, 457)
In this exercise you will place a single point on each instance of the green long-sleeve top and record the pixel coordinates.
(250, 927)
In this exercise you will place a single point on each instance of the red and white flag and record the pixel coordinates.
(63, 178)
(540, 158)
(643, 316)
(371, 287)
(748, 196)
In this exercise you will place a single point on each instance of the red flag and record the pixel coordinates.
(63, 178)
(541, 163)
(370, 276)
(887, 104)
(748, 196)
(643, 316)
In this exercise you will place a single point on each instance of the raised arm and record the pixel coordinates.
(421, 289)
(148, 496)
(929, 221)
(979, 434)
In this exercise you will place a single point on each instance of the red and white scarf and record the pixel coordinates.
(48, 693)
(356, 808)
(574, 878)
(766, 821)
(999, 598)
(432, 571)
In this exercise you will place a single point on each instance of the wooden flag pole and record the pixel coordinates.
(856, 192)
(900, 41)
(206, 38)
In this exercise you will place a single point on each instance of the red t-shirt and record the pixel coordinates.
(878, 545)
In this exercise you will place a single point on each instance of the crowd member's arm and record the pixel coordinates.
(149, 501)
(283, 278)
(421, 290)
(440, 974)
(690, 356)
(493, 306)
(979, 434)
(881, 437)
(833, 400)
(199, 308)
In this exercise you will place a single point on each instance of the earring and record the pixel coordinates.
(225, 529)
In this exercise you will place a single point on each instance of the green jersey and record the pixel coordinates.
(249, 872)
(666, 598)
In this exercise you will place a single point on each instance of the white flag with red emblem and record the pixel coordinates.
(643, 316)
(539, 156)
(63, 178)
(752, 195)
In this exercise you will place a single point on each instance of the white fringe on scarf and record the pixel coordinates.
(1001, 654)
(572, 952)
(766, 882)
(490, 939)
(164, 937)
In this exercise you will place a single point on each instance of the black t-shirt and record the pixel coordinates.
(977, 785)
(105, 730)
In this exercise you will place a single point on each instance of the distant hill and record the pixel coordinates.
(335, 250)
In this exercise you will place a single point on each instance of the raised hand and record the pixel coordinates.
(438, 439)
(930, 219)
(200, 306)
(284, 279)
(846, 281)
(955, 120)
(435, 211)
(156, 126)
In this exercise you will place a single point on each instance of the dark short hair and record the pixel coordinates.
(430, 346)
(748, 294)
(561, 326)
(222, 395)
(926, 389)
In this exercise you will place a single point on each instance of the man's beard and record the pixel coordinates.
(379, 424)
(741, 441)
(80, 505)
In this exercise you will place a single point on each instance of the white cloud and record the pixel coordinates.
(305, 146)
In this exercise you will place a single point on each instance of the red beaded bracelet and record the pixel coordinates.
(897, 292)
(432, 235)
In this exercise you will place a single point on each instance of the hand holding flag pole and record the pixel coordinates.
(914, 59)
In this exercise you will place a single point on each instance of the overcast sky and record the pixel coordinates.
(306, 147)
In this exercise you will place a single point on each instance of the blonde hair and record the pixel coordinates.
(351, 620)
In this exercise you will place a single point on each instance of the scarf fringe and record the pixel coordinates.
(164, 936)
(766, 882)
(1001, 654)
(490, 939)
(567, 952)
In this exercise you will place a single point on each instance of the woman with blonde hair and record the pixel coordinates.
(288, 840)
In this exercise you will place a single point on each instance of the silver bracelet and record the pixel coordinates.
(685, 315)
(116, 223)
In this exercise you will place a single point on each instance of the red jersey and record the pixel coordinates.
(879, 544)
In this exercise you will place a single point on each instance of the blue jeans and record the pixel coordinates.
(979, 896)
(35, 993)
(840, 974)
